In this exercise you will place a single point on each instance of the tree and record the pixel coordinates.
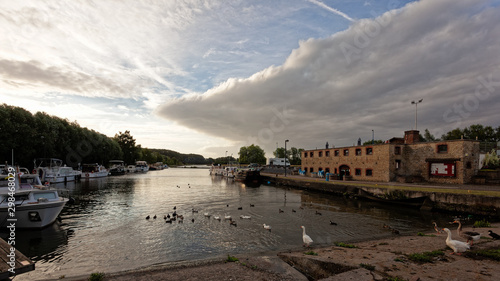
(279, 152)
(294, 154)
(374, 142)
(427, 136)
(128, 147)
(252, 154)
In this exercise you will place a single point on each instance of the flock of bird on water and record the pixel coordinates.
(457, 246)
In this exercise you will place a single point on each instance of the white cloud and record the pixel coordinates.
(340, 88)
(330, 9)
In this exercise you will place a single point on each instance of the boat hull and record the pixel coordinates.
(25, 214)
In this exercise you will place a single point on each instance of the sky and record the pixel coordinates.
(209, 77)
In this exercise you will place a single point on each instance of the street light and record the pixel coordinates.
(285, 156)
(226, 157)
(416, 103)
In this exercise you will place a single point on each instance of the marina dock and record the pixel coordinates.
(18, 263)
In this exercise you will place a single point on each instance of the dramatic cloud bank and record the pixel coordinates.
(340, 88)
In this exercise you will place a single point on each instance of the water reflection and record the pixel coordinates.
(106, 229)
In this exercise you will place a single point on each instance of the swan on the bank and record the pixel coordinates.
(307, 240)
(458, 247)
(268, 227)
(469, 235)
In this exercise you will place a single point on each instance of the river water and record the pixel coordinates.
(106, 230)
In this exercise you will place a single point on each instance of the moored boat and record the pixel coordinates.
(415, 202)
(248, 175)
(33, 205)
(141, 166)
(116, 167)
(94, 171)
(52, 170)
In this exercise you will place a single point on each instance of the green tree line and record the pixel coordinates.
(40, 135)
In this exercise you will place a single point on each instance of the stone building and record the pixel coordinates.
(398, 159)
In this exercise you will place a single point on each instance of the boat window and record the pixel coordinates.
(21, 197)
(47, 195)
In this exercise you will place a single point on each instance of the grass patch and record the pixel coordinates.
(311, 253)
(96, 276)
(367, 266)
(342, 244)
(425, 256)
(493, 254)
(482, 223)
(423, 234)
(399, 260)
(231, 259)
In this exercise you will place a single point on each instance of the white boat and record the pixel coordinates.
(141, 166)
(52, 170)
(130, 169)
(34, 205)
(230, 172)
(116, 167)
(90, 171)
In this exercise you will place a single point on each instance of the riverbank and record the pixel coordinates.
(400, 257)
(472, 199)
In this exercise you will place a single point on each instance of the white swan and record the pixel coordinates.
(469, 235)
(245, 217)
(268, 227)
(227, 217)
(457, 246)
(307, 240)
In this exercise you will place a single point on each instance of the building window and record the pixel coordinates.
(311, 154)
(398, 164)
(468, 165)
(358, 172)
(305, 154)
(305, 169)
(311, 169)
(320, 154)
(346, 152)
(358, 151)
(327, 170)
(369, 172)
(397, 150)
(336, 153)
(369, 151)
(327, 153)
(335, 171)
(442, 148)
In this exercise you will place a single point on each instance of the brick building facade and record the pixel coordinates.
(399, 159)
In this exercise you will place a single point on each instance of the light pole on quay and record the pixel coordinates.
(416, 103)
(285, 156)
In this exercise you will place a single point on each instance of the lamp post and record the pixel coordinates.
(226, 157)
(416, 103)
(285, 156)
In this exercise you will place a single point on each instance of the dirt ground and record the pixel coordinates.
(370, 260)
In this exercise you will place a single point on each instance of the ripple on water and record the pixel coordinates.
(106, 229)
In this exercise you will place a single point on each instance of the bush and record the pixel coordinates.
(311, 253)
(231, 259)
(482, 223)
(96, 276)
